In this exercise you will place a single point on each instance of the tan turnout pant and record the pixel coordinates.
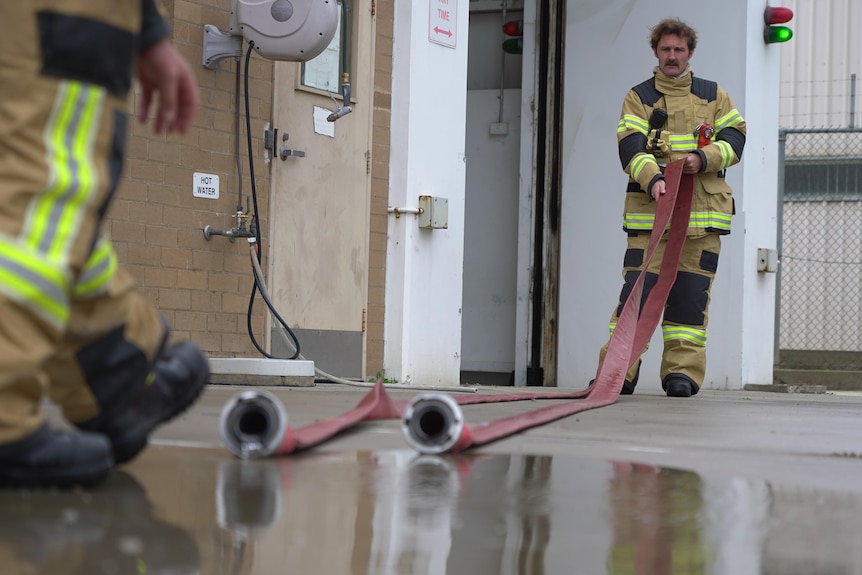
(71, 323)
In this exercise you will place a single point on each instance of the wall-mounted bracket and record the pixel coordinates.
(218, 45)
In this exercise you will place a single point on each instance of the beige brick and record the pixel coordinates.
(142, 254)
(190, 321)
(146, 212)
(187, 11)
(192, 279)
(238, 302)
(176, 299)
(222, 282)
(128, 232)
(210, 343)
(161, 277)
(222, 322)
(241, 345)
(164, 152)
(146, 170)
(205, 301)
(175, 258)
(207, 260)
(195, 158)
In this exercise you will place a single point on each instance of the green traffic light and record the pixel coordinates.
(777, 34)
(514, 46)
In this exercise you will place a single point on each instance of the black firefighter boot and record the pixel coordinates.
(53, 458)
(147, 398)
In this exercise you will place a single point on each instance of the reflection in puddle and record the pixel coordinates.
(395, 512)
(110, 530)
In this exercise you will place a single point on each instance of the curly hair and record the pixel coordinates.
(673, 26)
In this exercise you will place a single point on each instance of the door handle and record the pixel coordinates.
(284, 152)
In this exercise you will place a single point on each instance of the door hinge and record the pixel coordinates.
(364, 319)
(373, 7)
(367, 162)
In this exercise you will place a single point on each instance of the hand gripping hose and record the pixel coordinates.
(433, 423)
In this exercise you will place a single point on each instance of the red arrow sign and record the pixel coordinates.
(443, 22)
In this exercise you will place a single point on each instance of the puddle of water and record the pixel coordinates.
(181, 510)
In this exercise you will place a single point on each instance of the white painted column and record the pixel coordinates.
(424, 267)
(759, 205)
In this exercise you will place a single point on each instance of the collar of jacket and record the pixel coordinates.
(671, 86)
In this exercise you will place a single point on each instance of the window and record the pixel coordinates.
(324, 71)
(823, 179)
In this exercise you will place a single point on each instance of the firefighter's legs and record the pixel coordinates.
(683, 365)
(112, 372)
(51, 188)
(685, 316)
(632, 265)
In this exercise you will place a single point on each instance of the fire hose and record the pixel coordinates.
(254, 424)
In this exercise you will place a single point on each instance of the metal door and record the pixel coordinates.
(320, 200)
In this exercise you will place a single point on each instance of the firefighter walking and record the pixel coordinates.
(73, 325)
(674, 116)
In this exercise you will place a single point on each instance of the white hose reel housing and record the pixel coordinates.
(292, 30)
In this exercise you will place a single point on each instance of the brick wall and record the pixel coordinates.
(201, 286)
(379, 183)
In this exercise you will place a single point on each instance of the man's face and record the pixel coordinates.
(673, 54)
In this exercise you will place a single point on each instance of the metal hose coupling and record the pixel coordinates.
(433, 423)
(253, 425)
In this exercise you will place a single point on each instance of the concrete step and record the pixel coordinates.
(833, 380)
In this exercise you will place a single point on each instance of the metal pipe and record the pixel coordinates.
(236, 138)
(779, 240)
(253, 425)
(433, 423)
(232, 233)
(502, 71)
(852, 100)
(399, 211)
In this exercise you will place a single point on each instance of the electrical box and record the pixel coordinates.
(434, 213)
(767, 260)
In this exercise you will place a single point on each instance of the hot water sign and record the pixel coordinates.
(443, 24)
(205, 186)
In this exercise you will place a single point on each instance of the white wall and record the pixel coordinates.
(608, 52)
(423, 270)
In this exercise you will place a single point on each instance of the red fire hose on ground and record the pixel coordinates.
(254, 424)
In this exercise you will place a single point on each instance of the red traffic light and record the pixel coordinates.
(777, 15)
(514, 28)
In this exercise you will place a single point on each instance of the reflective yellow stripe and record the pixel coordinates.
(53, 218)
(696, 336)
(29, 279)
(630, 122)
(639, 162)
(683, 142)
(98, 271)
(727, 154)
(713, 220)
(730, 119)
(639, 221)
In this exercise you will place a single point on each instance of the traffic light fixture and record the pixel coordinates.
(773, 34)
(515, 30)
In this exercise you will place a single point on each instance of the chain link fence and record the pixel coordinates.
(819, 323)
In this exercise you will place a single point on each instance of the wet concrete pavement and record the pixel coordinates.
(723, 483)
